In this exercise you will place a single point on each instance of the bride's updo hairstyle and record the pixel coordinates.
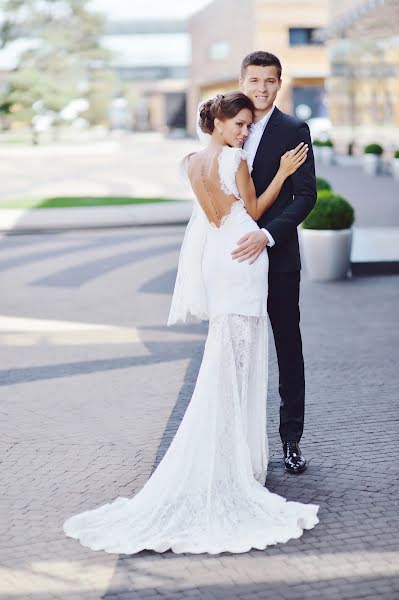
(223, 106)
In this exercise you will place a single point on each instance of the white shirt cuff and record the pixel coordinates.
(271, 241)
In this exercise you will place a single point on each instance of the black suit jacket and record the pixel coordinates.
(298, 194)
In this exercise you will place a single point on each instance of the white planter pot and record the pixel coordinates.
(395, 168)
(327, 155)
(371, 164)
(326, 253)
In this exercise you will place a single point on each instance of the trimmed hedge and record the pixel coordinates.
(323, 144)
(331, 211)
(374, 149)
(322, 184)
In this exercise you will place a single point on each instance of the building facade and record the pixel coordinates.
(226, 30)
(363, 90)
(151, 59)
(149, 63)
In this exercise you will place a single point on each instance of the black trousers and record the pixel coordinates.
(283, 309)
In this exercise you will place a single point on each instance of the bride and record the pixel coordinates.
(207, 494)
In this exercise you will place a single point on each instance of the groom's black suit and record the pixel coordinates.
(295, 201)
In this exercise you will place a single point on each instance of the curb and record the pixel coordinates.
(94, 217)
(375, 250)
(389, 267)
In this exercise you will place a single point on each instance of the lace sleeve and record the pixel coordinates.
(229, 162)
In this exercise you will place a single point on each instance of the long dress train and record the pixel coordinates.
(207, 494)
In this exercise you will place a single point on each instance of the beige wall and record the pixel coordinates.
(222, 22)
(338, 8)
(305, 63)
(255, 25)
(363, 90)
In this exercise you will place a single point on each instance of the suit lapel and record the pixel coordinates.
(265, 144)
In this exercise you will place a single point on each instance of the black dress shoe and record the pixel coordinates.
(294, 462)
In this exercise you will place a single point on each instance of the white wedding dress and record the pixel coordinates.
(208, 494)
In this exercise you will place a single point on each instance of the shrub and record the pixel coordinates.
(322, 184)
(374, 149)
(323, 144)
(330, 212)
(396, 154)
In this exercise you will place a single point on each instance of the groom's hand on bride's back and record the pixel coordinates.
(250, 246)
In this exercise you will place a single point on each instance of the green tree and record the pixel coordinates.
(66, 53)
(99, 94)
(27, 86)
(10, 20)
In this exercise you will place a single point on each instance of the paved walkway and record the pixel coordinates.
(375, 199)
(93, 387)
(123, 166)
(126, 166)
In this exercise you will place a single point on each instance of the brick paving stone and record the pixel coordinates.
(83, 423)
(374, 199)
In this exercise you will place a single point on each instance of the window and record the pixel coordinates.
(219, 50)
(309, 101)
(304, 36)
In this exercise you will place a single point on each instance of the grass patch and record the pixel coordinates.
(73, 201)
(10, 140)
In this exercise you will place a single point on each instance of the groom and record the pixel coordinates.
(272, 134)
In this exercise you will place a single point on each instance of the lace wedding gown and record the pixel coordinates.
(208, 494)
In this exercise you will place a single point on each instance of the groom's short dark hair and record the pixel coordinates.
(260, 58)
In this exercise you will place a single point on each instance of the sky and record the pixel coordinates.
(129, 9)
(148, 9)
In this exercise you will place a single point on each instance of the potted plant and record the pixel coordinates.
(327, 152)
(395, 165)
(326, 237)
(322, 184)
(372, 159)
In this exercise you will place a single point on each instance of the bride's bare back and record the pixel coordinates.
(203, 173)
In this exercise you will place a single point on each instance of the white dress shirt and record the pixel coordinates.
(251, 146)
